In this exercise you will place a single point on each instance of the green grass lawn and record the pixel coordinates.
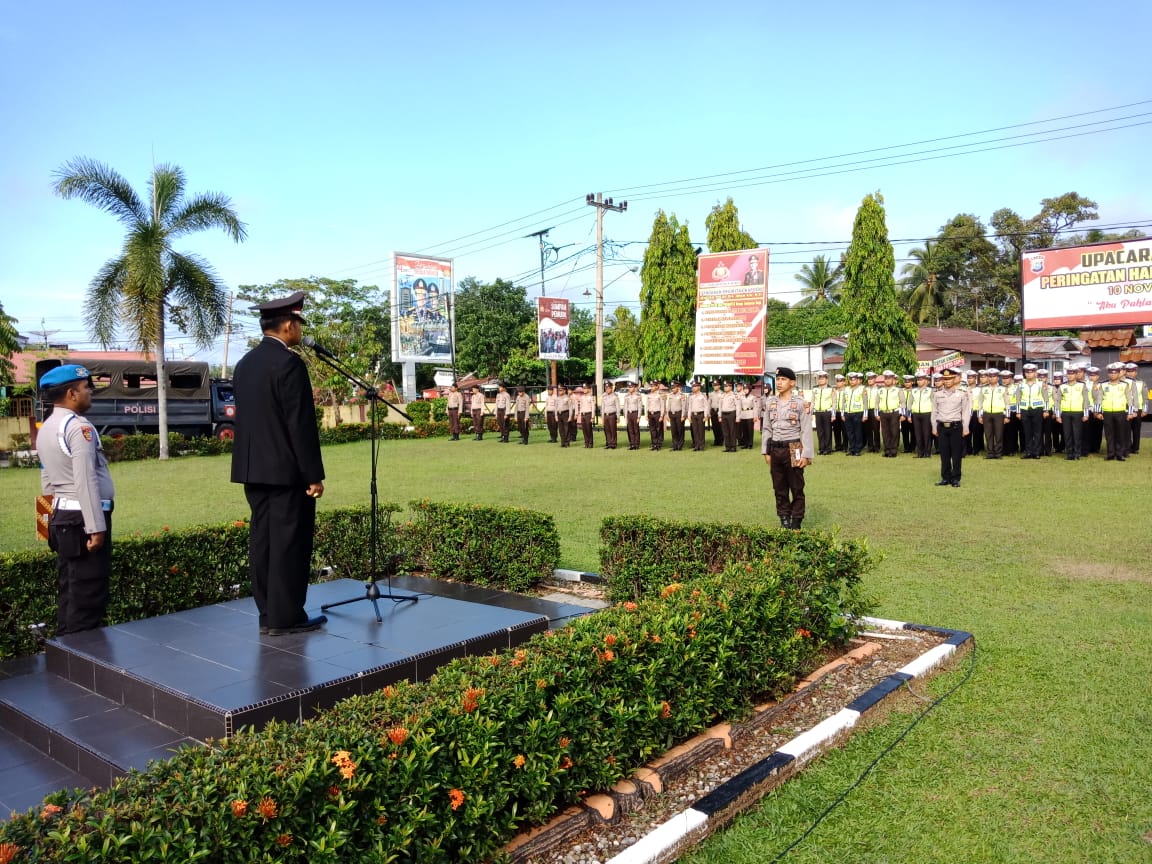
(1046, 754)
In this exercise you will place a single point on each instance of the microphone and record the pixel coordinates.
(309, 342)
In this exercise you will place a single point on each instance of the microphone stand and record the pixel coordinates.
(371, 589)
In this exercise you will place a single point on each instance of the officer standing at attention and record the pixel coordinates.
(714, 413)
(503, 403)
(563, 414)
(523, 404)
(677, 411)
(951, 413)
(839, 439)
(746, 417)
(550, 415)
(822, 398)
(697, 411)
(476, 406)
(787, 447)
(276, 455)
(729, 405)
(1072, 403)
(1115, 408)
(655, 406)
(1033, 408)
(920, 415)
(586, 406)
(75, 473)
(455, 404)
(906, 433)
(889, 408)
(854, 403)
(610, 411)
(633, 407)
(1139, 392)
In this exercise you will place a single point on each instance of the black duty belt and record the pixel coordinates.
(780, 444)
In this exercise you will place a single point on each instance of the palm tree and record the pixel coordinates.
(921, 278)
(821, 280)
(150, 280)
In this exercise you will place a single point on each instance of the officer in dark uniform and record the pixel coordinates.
(276, 455)
(75, 473)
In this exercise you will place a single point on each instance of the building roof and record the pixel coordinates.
(1118, 338)
(968, 342)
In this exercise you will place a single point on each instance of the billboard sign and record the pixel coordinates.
(1099, 285)
(731, 301)
(421, 287)
(552, 320)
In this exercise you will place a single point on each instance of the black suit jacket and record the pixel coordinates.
(277, 441)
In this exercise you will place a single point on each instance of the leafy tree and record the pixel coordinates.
(9, 345)
(725, 233)
(349, 319)
(926, 285)
(149, 280)
(821, 280)
(804, 324)
(668, 300)
(623, 338)
(489, 318)
(880, 333)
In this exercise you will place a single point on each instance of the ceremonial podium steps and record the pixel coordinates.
(98, 704)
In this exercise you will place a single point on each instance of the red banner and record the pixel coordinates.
(1101, 285)
(731, 299)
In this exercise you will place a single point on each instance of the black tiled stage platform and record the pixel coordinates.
(107, 700)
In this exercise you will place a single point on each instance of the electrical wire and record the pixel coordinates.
(884, 752)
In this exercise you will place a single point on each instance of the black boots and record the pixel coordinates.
(792, 523)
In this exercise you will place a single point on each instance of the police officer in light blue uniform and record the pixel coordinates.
(75, 473)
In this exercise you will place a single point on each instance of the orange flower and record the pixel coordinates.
(471, 700)
(608, 656)
(802, 633)
(519, 761)
(382, 819)
(671, 589)
(564, 742)
(389, 691)
(346, 771)
(165, 528)
(520, 658)
(284, 840)
(610, 759)
(541, 683)
(610, 640)
(173, 569)
(665, 710)
(691, 632)
(656, 638)
(50, 810)
(630, 606)
(494, 660)
(239, 523)
(8, 852)
(565, 763)
(267, 809)
(397, 735)
(456, 798)
(239, 808)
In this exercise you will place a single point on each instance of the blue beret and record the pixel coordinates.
(64, 375)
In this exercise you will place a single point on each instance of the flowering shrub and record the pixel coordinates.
(450, 769)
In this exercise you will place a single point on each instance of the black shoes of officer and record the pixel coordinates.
(785, 521)
(944, 483)
(305, 626)
(795, 523)
(955, 484)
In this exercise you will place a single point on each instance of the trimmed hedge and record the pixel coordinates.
(175, 570)
(502, 546)
(449, 770)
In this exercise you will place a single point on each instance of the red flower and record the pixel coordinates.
(665, 710)
(630, 606)
(565, 763)
(397, 735)
(471, 700)
(284, 840)
(455, 798)
(267, 809)
(50, 810)
(8, 852)
(610, 640)
(564, 742)
(239, 808)
(802, 633)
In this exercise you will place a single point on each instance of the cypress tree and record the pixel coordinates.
(880, 333)
(724, 231)
(668, 301)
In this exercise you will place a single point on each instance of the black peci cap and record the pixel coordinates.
(291, 306)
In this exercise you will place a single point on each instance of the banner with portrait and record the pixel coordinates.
(552, 321)
(421, 309)
(731, 303)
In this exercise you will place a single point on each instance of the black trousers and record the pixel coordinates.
(1134, 423)
(890, 431)
(840, 440)
(717, 427)
(610, 430)
(1073, 424)
(82, 577)
(854, 427)
(553, 425)
(909, 436)
(950, 440)
(1032, 422)
(746, 432)
(1093, 434)
(872, 434)
(565, 434)
(280, 551)
(975, 436)
(502, 423)
(676, 421)
(454, 421)
(633, 430)
(787, 483)
(994, 434)
(922, 433)
(728, 420)
(656, 430)
(522, 425)
(1118, 434)
(698, 436)
(823, 432)
(586, 428)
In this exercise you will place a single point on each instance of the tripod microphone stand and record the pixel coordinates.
(371, 589)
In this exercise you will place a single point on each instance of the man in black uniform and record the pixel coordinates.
(276, 455)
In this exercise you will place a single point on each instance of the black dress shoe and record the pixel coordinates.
(944, 483)
(305, 626)
(956, 484)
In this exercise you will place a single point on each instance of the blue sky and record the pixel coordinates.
(346, 131)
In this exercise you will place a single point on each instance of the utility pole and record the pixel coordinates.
(601, 204)
(540, 235)
(227, 334)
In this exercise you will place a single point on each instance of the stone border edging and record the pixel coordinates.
(669, 839)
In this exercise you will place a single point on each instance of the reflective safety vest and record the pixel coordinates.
(1114, 397)
(994, 400)
(1033, 395)
(1139, 393)
(889, 399)
(921, 401)
(822, 398)
(855, 402)
(1073, 398)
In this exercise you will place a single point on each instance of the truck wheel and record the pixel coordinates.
(225, 432)
(117, 432)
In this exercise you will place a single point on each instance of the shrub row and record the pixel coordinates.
(450, 769)
(175, 570)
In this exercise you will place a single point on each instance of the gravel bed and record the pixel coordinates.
(819, 701)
